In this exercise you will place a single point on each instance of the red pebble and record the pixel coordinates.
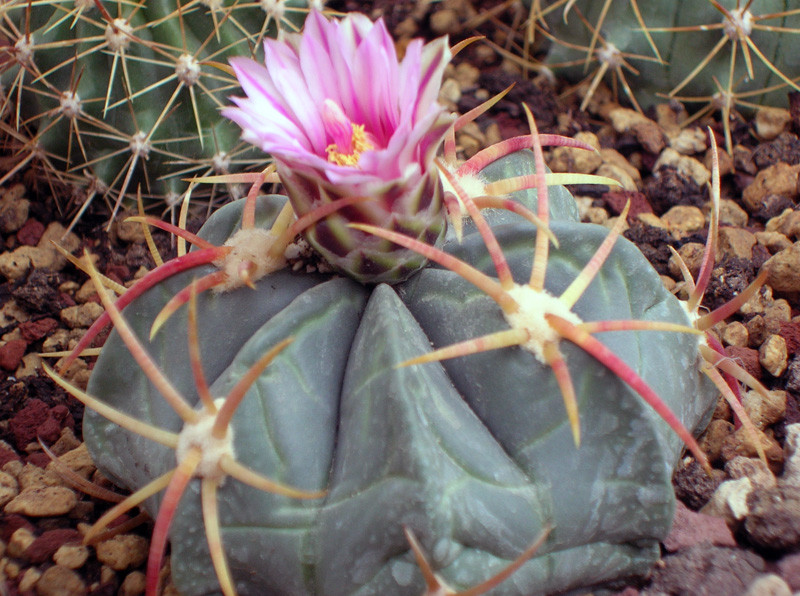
(747, 358)
(616, 199)
(11, 523)
(34, 330)
(11, 354)
(6, 455)
(25, 423)
(790, 332)
(38, 459)
(30, 233)
(118, 273)
(45, 546)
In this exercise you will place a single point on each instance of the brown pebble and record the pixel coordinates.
(712, 440)
(757, 331)
(81, 315)
(684, 220)
(773, 241)
(762, 410)
(133, 585)
(740, 444)
(731, 214)
(692, 255)
(13, 213)
(693, 486)
(774, 520)
(445, 21)
(60, 581)
(783, 269)
(28, 580)
(689, 141)
(687, 166)
(787, 223)
(33, 476)
(780, 179)
(43, 502)
(123, 551)
(20, 540)
(67, 441)
(78, 460)
(770, 122)
(572, 159)
(735, 242)
(9, 488)
(71, 556)
(735, 334)
(754, 469)
(773, 355)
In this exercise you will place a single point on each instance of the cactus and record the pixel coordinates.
(475, 455)
(727, 51)
(110, 97)
(535, 438)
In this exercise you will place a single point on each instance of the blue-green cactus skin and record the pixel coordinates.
(682, 51)
(474, 455)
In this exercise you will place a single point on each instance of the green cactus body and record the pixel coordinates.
(135, 108)
(474, 455)
(682, 51)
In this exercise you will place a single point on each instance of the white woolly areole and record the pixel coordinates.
(24, 49)
(198, 435)
(739, 25)
(533, 306)
(139, 145)
(249, 246)
(274, 8)
(70, 104)
(188, 69)
(473, 185)
(221, 162)
(693, 316)
(118, 34)
(610, 55)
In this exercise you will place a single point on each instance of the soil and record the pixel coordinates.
(720, 550)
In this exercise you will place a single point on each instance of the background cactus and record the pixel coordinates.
(728, 51)
(474, 455)
(109, 96)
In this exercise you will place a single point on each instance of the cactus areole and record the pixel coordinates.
(474, 456)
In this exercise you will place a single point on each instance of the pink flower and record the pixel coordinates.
(343, 117)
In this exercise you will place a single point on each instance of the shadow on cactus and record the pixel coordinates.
(122, 94)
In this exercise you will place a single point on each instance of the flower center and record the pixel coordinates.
(349, 139)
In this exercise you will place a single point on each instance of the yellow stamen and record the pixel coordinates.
(359, 143)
